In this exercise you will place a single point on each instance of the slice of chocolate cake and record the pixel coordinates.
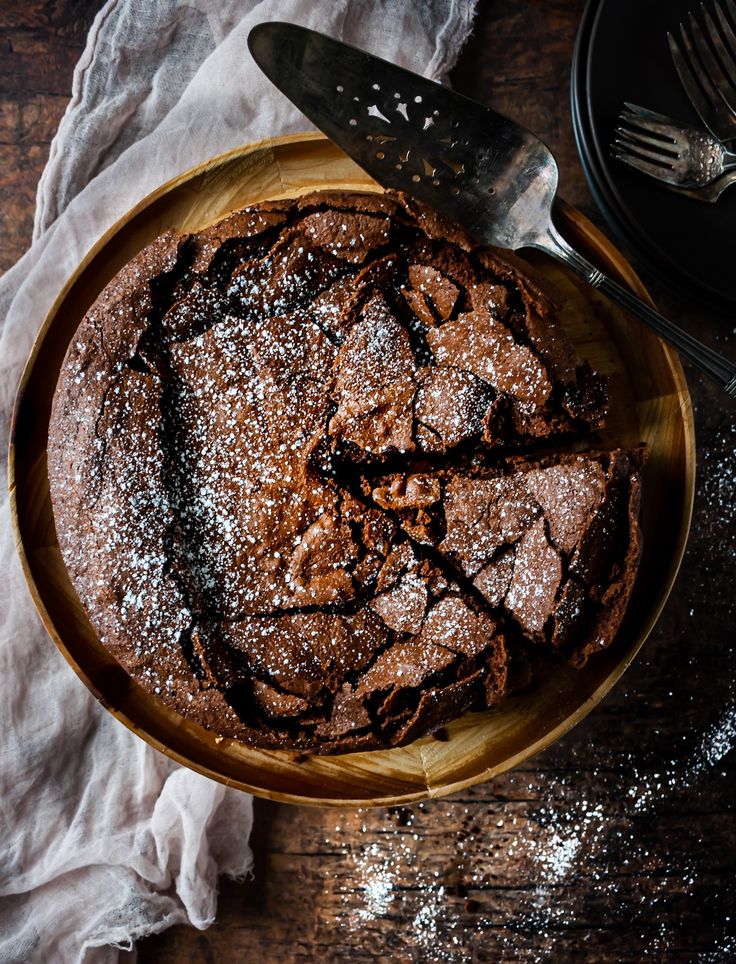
(552, 544)
(215, 413)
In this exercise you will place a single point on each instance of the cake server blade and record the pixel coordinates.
(413, 135)
(477, 167)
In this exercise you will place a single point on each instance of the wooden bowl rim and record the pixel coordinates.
(617, 265)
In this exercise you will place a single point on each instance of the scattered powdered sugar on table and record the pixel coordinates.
(558, 845)
(717, 742)
(553, 842)
(426, 920)
(718, 479)
(376, 878)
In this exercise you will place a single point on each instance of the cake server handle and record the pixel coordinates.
(708, 361)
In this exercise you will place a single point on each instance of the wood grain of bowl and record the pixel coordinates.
(649, 401)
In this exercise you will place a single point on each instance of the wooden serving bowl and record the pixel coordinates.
(649, 401)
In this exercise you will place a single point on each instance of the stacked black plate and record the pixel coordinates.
(621, 54)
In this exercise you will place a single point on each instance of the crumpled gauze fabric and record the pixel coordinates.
(104, 840)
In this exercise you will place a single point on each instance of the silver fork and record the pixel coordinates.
(684, 159)
(706, 64)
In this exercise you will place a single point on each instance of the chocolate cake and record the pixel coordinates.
(291, 471)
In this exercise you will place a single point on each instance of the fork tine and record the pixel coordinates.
(665, 148)
(691, 85)
(732, 10)
(663, 131)
(727, 49)
(653, 170)
(625, 144)
(702, 60)
(644, 112)
(713, 68)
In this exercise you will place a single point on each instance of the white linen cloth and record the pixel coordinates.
(105, 840)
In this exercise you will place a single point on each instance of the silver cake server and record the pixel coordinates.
(488, 173)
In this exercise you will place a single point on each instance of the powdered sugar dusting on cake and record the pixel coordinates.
(237, 383)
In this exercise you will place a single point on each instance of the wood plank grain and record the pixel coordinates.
(40, 43)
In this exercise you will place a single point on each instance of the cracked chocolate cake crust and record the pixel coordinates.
(285, 459)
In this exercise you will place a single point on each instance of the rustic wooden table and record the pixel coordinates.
(614, 845)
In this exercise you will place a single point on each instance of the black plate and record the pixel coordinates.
(621, 54)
